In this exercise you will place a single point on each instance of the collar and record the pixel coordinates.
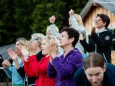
(102, 30)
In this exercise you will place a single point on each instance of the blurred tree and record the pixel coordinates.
(21, 18)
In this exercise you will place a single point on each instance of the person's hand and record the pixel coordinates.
(25, 53)
(81, 36)
(12, 54)
(30, 48)
(52, 19)
(6, 64)
(93, 29)
(53, 50)
(17, 51)
(71, 12)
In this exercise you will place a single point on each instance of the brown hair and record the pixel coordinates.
(104, 18)
(94, 60)
(72, 33)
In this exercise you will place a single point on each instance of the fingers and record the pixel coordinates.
(12, 54)
(6, 63)
(52, 19)
(93, 29)
(71, 12)
(81, 36)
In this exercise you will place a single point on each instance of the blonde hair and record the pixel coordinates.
(37, 36)
(52, 40)
(79, 19)
(21, 40)
(55, 28)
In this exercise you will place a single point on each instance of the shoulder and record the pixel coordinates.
(76, 52)
(79, 72)
(110, 67)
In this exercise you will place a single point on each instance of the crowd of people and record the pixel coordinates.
(57, 58)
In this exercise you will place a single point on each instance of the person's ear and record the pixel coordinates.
(72, 39)
(105, 23)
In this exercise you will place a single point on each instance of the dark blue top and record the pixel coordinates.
(109, 76)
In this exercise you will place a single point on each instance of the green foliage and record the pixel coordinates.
(43, 11)
(21, 18)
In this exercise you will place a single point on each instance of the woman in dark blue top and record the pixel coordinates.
(95, 72)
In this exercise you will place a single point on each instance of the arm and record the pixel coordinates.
(34, 67)
(8, 71)
(75, 21)
(89, 47)
(51, 71)
(7, 68)
(21, 71)
(28, 69)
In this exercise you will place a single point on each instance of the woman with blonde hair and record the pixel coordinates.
(75, 21)
(52, 30)
(12, 69)
(36, 68)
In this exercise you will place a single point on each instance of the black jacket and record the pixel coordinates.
(100, 43)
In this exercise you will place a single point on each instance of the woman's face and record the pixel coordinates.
(35, 44)
(99, 23)
(95, 75)
(64, 39)
(45, 47)
(48, 31)
(18, 45)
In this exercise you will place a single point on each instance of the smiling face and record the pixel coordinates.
(95, 75)
(99, 23)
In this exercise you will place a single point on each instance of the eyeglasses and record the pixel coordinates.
(97, 20)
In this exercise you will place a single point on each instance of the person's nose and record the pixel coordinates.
(94, 79)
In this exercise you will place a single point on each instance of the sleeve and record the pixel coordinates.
(102, 42)
(28, 69)
(88, 47)
(54, 31)
(51, 71)
(34, 67)
(8, 71)
(68, 68)
(75, 25)
(21, 72)
(41, 67)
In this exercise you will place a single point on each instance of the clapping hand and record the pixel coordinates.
(25, 53)
(12, 54)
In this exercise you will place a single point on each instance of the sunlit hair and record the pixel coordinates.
(94, 60)
(21, 40)
(52, 40)
(79, 19)
(37, 36)
(55, 28)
